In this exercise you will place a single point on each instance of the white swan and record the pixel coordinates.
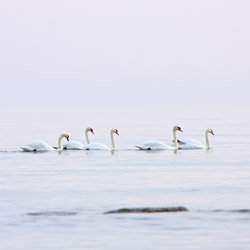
(193, 144)
(42, 146)
(100, 146)
(158, 145)
(75, 145)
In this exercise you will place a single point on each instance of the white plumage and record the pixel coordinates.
(190, 144)
(158, 145)
(154, 145)
(100, 146)
(96, 146)
(75, 145)
(194, 144)
(41, 146)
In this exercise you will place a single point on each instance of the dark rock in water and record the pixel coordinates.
(148, 210)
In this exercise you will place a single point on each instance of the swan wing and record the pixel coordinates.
(96, 146)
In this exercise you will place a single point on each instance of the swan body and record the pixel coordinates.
(158, 145)
(72, 145)
(96, 146)
(75, 145)
(190, 144)
(100, 146)
(194, 144)
(38, 146)
(154, 145)
(41, 146)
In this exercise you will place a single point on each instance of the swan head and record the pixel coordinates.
(115, 131)
(175, 128)
(66, 136)
(209, 130)
(89, 129)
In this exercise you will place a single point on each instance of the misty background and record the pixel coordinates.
(124, 53)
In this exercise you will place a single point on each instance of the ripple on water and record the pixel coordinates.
(52, 213)
(232, 211)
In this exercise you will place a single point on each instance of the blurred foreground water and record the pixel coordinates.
(57, 200)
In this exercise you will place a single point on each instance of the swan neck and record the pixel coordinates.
(87, 136)
(175, 139)
(113, 140)
(60, 147)
(207, 139)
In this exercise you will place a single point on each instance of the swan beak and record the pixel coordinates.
(92, 132)
(67, 138)
(117, 132)
(180, 130)
(212, 132)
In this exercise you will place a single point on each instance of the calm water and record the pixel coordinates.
(57, 200)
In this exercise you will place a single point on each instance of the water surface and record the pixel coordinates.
(57, 200)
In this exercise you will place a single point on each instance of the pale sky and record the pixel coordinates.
(125, 53)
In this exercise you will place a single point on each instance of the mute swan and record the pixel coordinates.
(158, 145)
(193, 144)
(42, 146)
(100, 146)
(75, 145)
